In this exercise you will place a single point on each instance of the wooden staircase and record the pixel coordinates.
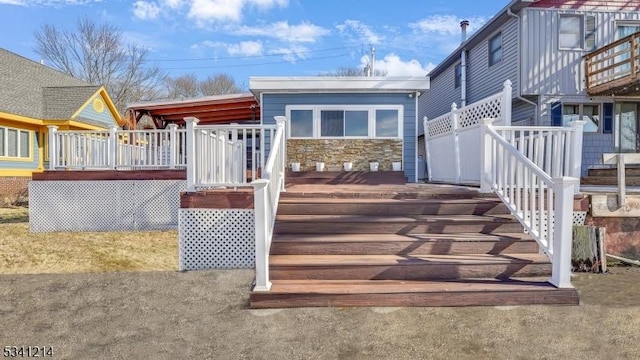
(402, 245)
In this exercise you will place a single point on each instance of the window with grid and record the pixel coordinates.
(15, 143)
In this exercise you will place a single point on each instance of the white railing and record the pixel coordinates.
(555, 150)
(266, 196)
(117, 149)
(226, 155)
(542, 203)
(453, 140)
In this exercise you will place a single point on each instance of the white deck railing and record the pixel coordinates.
(522, 168)
(226, 155)
(555, 150)
(117, 149)
(266, 197)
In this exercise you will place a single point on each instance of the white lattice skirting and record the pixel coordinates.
(124, 205)
(216, 239)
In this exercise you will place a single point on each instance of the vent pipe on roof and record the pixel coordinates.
(464, 24)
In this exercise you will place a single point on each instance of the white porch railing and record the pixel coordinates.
(541, 202)
(266, 197)
(117, 149)
(453, 140)
(226, 155)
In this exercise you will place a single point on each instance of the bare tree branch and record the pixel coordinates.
(99, 55)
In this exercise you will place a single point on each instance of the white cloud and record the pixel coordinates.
(291, 54)
(361, 32)
(202, 11)
(392, 65)
(441, 34)
(146, 10)
(446, 24)
(304, 32)
(245, 48)
(216, 10)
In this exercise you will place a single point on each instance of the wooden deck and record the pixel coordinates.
(614, 69)
(349, 244)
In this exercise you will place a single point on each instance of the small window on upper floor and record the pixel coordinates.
(458, 76)
(495, 49)
(577, 32)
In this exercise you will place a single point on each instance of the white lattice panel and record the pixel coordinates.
(157, 203)
(104, 205)
(474, 113)
(440, 126)
(579, 217)
(216, 239)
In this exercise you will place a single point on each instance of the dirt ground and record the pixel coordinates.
(203, 314)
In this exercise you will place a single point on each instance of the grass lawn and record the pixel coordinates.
(22, 252)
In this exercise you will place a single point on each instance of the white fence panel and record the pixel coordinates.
(453, 140)
(469, 139)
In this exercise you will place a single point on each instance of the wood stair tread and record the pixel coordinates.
(363, 237)
(409, 286)
(313, 201)
(396, 219)
(403, 260)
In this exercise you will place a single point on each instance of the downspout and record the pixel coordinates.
(519, 70)
(463, 65)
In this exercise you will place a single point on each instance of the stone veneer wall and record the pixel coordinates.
(335, 152)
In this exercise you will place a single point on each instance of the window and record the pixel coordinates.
(570, 32)
(386, 123)
(577, 32)
(15, 143)
(301, 123)
(458, 76)
(495, 49)
(586, 112)
(351, 121)
(335, 123)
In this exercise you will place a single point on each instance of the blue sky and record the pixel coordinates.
(264, 37)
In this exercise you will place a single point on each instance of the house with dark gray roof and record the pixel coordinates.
(33, 97)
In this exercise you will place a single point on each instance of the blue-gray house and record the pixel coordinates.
(338, 120)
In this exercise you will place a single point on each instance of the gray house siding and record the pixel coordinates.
(438, 99)
(522, 113)
(548, 70)
(275, 105)
(484, 81)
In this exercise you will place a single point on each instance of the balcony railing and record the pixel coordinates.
(613, 69)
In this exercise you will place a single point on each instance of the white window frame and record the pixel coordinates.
(5, 145)
(371, 109)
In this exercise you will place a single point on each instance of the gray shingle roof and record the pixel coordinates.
(30, 89)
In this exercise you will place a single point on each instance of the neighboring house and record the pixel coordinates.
(34, 96)
(338, 119)
(540, 45)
